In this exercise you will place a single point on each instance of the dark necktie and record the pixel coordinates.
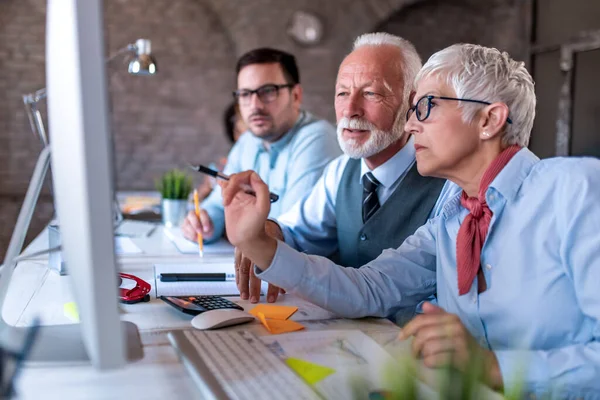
(370, 202)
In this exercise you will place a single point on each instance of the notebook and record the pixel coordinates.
(188, 247)
(227, 288)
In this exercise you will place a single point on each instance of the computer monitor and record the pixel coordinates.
(80, 150)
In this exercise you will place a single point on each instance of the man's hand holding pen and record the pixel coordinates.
(245, 217)
(273, 197)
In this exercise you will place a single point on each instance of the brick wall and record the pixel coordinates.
(163, 121)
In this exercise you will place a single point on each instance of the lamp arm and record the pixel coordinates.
(129, 48)
(31, 100)
(33, 114)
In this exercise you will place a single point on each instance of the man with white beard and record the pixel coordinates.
(372, 197)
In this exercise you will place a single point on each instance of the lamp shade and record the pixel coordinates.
(143, 63)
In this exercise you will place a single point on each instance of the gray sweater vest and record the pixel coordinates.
(403, 212)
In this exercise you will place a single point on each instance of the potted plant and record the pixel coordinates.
(175, 187)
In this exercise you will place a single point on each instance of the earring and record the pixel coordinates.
(486, 134)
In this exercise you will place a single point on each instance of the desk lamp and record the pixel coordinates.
(142, 63)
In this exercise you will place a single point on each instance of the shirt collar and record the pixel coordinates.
(507, 183)
(389, 172)
(509, 180)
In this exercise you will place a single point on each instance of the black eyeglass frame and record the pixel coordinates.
(258, 91)
(431, 97)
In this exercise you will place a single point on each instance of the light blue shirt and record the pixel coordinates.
(290, 166)
(311, 226)
(540, 313)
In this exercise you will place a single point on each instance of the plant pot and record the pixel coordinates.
(173, 211)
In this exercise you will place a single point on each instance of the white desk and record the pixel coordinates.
(156, 246)
(37, 292)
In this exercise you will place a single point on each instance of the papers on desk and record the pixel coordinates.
(132, 228)
(125, 246)
(227, 288)
(334, 361)
(188, 247)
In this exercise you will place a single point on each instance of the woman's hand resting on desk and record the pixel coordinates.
(248, 284)
(440, 338)
(245, 217)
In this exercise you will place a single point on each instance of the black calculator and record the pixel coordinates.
(195, 305)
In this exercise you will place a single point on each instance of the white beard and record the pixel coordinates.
(377, 141)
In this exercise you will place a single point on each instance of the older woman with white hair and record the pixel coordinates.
(514, 258)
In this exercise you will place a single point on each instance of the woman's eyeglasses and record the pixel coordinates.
(266, 93)
(423, 107)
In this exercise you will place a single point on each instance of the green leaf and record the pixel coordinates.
(174, 184)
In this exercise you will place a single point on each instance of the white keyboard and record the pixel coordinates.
(242, 365)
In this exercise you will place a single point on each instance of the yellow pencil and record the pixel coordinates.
(200, 240)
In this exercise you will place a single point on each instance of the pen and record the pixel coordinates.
(216, 174)
(200, 239)
(20, 358)
(197, 277)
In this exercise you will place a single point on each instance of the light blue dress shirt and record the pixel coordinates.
(540, 313)
(290, 166)
(311, 226)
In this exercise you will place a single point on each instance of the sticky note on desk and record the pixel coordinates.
(271, 311)
(276, 326)
(70, 311)
(310, 372)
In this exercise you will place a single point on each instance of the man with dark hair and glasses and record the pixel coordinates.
(287, 146)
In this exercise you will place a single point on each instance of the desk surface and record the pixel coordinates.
(36, 291)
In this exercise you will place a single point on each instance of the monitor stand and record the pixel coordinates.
(63, 344)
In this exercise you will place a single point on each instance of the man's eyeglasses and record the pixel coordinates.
(266, 93)
(423, 107)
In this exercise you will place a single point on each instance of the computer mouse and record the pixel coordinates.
(220, 318)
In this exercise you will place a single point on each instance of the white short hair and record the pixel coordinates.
(410, 62)
(487, 74)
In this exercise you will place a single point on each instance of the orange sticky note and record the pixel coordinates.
(272, 311)
(275, 326)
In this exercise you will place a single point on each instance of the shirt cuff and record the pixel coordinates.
(286, 269)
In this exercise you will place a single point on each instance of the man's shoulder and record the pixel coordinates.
(318, 135)
(315, 126)
(245, 137)
(246, 141)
